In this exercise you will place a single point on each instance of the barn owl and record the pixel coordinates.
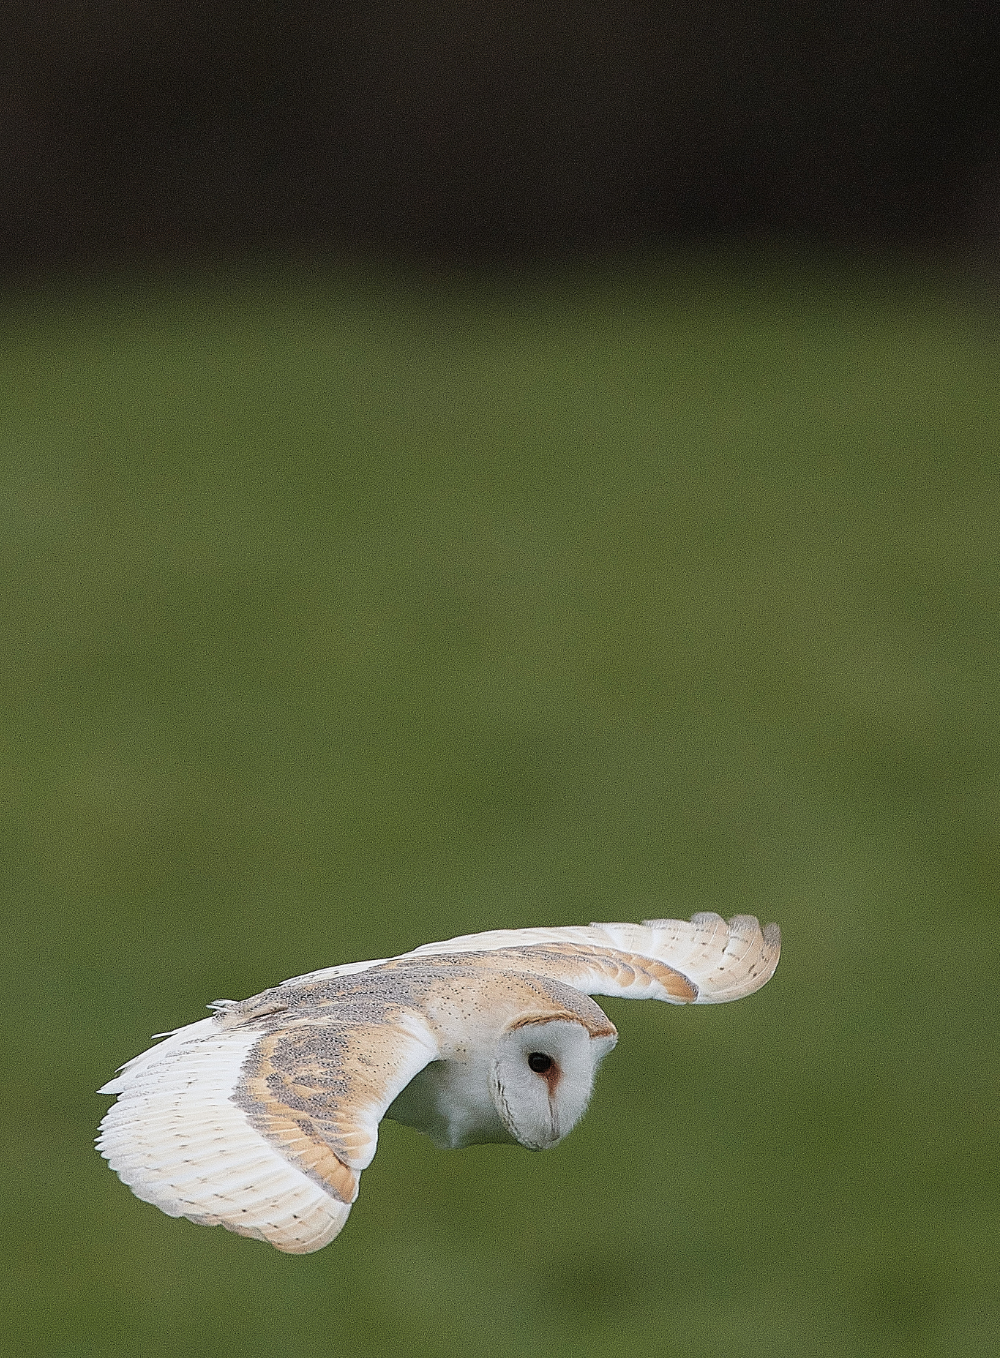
(262, 1117)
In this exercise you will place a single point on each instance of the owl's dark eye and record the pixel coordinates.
(539, 1062)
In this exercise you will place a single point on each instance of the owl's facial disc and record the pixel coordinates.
(543, 1077)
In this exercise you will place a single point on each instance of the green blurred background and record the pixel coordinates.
(345, 614)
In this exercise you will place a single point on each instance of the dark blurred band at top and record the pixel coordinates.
(499, 127)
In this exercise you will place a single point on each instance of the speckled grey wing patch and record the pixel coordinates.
(331, 1058)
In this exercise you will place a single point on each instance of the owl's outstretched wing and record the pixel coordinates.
(260, 1124)
(705, 960)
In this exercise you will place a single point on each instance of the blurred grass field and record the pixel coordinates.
(347, 615)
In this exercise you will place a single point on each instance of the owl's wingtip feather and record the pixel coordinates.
(725, 959)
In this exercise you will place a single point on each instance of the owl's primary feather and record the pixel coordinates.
(262, 1117)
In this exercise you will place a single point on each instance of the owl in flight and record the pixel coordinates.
(262, 1117)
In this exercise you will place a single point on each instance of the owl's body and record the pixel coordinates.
(262, 1117)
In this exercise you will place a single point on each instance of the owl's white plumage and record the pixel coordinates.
(262, 1117)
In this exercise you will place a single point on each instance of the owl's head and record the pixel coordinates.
(544, 1072)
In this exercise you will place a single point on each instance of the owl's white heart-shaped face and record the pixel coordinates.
(543, 1078)
(262, 1117)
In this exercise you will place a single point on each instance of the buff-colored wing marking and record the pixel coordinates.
(705, 960)
(261, 1129)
